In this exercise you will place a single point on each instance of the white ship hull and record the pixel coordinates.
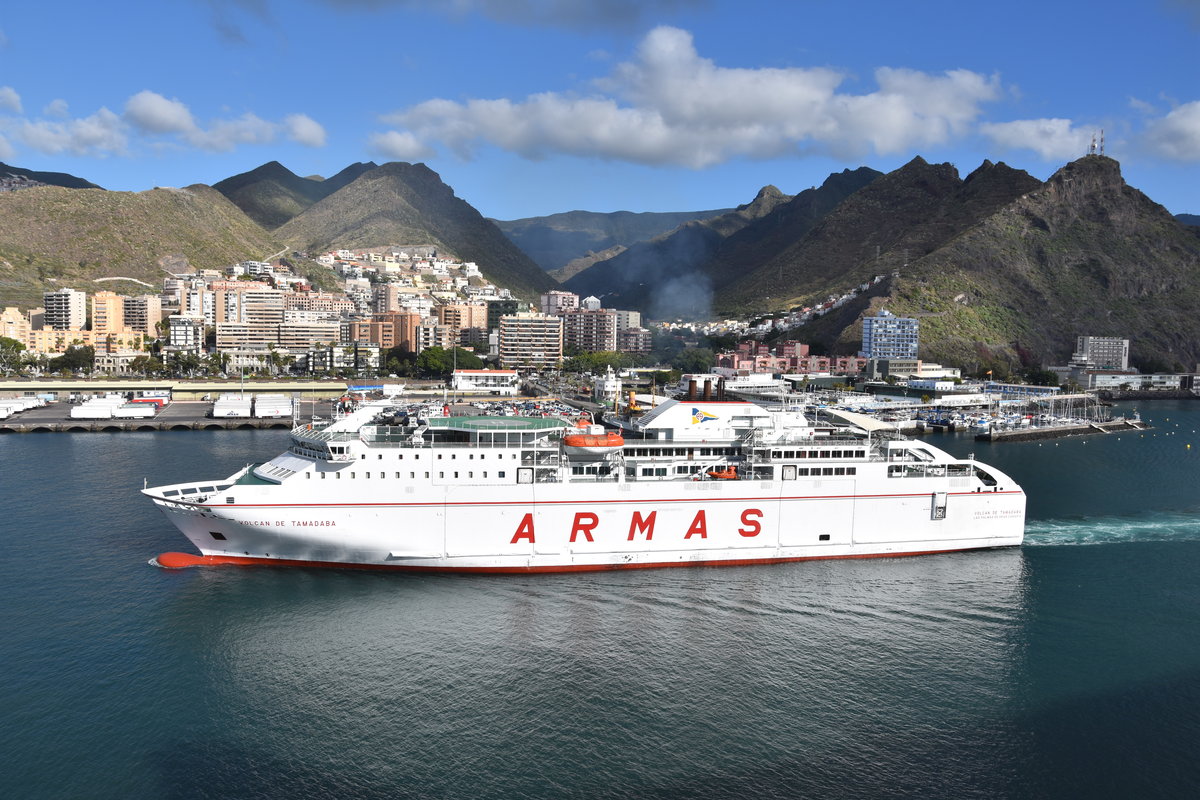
(567, 527)
(377, 506)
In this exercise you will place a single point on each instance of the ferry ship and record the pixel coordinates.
(687, 483)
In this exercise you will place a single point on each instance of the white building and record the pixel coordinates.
(501, 382)
(66, 309)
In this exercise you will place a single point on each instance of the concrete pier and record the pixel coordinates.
(1059, 431)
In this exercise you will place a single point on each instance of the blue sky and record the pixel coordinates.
(530, 107)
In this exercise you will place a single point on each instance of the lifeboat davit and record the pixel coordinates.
(594, 442)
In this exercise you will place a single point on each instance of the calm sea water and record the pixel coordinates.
(1069, 667)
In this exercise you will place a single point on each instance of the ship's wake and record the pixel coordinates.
(1106, 530)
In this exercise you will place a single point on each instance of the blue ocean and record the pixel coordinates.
(1069, 667)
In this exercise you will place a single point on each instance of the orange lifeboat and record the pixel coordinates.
(592, 444)
(727, 474)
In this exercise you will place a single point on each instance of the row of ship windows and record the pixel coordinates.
(440, 456)
(411, 475)
(400, 456)
(818, 454)
(681, 451)
(660, 472)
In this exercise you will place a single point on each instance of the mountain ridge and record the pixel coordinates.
(557, 240)
(401, 204)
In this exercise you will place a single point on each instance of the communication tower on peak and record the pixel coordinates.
(1093, 149)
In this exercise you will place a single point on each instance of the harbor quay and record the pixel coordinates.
(186, 415)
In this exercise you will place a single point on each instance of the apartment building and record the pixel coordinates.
(66, 309)
(530, 341)
(635, 340)
(185, 333)
(590, 330)
(143, 313)
(627, 319)
(557, 302)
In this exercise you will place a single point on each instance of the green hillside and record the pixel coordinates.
(52, 237)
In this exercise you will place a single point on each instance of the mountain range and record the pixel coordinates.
(1001, 268)
(52, 236)
(563, 244)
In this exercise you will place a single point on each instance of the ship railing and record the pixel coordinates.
(388, 436)
(926, 470)
(545, 458)
(322, 437)
(589, 478)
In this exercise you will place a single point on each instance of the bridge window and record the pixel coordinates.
(986, 478)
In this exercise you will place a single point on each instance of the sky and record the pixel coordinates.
(532, 107)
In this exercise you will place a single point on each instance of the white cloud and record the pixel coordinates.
(10, 100)
(1177, 135)
(1052, 139)
(1137, 104)
(56, 108)
(6, 150)
(226, 134)
(151, 119)
(670, 106)
(150, 112)
(100, 134)
(399, 145)
(304, 130)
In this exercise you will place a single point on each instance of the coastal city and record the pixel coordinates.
(412, 315)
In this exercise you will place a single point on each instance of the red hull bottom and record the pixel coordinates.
(185, 560)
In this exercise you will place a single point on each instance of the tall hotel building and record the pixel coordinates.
(888, 336)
